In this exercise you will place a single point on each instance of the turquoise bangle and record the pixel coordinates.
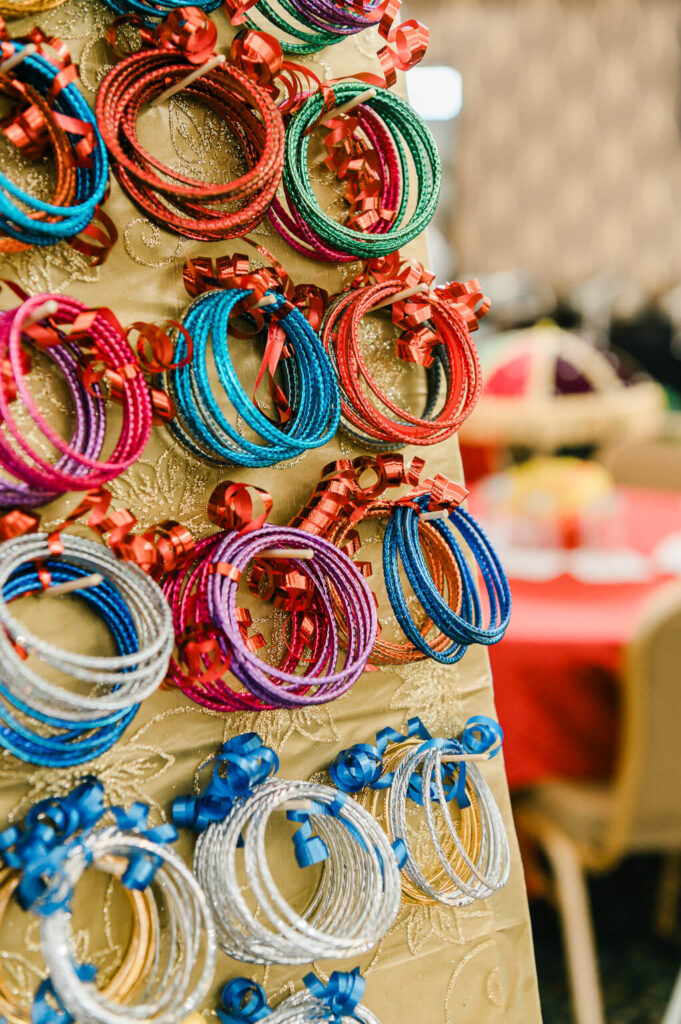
(308, 381)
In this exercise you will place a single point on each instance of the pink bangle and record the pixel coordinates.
(95, 344)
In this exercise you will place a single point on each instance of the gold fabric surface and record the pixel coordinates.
(436, 965)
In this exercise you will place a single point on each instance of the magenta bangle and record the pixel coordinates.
(203, 602)
(77, 466)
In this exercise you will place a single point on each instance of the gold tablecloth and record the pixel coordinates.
(437, 964)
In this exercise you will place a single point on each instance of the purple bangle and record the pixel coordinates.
(205, 598)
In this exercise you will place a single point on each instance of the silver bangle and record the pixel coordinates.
(480, 875)
(357, 898)
(126, 679)
(182, 969)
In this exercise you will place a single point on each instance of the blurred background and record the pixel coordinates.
(559, 125)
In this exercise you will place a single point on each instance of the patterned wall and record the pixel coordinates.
(569, 152)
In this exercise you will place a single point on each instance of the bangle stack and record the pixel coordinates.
(473, 859)
(244, 1001)
(436, 335)
(396, 135)
(51, 112)
(443, 569)
(357, 896)
(169, 965)
(203, 603)
(310, 392)
(22, 8)
(402, 551)
(190, 207)
(153, 11)
(38, 480)
(48, 724)
(448, 596)
(304, 26)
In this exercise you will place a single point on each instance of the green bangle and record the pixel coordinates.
(310, 230)
(310, 40)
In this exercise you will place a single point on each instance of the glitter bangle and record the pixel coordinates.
(50, 724)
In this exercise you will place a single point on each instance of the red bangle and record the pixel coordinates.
(246, 107)
(435, 333)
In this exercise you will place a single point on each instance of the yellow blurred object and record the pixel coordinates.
(572, 485)
(194, 1018)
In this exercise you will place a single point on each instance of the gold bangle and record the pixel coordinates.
(130, 974)
(21, 8)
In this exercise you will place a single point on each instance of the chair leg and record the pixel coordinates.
(667, 896)
(573, 904)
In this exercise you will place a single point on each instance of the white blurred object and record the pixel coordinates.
(667, 555)
(436, 93)
(536, 565)
(618, 565)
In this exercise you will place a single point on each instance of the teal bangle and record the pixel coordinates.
(303, 223)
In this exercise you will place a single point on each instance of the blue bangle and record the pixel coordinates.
(91, 182)
(68, 744)
(401, 547)
(151, 13)
(308, 383)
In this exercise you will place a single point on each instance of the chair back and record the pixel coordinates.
(647, 789)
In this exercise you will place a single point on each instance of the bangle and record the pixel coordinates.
(443, 570)
(130, 972)
(339, 501)
(357, 895)
(153, 11)
(43, 722)
(32, 117)
(22, 8)
(244, 1001)
(245, 106)
(172, 964)
(70, 128)
(78, 467)
(465, 627)
(434, 334)
(209, 625)
(309, 400)
(388, 223)
(472, 858)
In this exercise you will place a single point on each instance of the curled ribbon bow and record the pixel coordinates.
(241, 764)
(342, 993)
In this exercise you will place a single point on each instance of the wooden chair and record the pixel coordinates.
(654, 463)
(588, 828)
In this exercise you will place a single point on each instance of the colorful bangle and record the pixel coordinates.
(442, 567)
(434, 334)
(357, 894)
(48, 724)
(78, 467)
(151, 12)
(472, 856)
(22, 8)
(244, 1001)
(129, 974)
(310, 392)
(172, 966)
(401, 549)
(305, 26)
(245, 106)
(339, 501)
(207, 620)
(82, 165)
(397, 136)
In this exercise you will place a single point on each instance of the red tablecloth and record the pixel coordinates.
(555, 672)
